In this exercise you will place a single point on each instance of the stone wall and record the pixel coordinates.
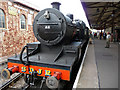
(12, 38)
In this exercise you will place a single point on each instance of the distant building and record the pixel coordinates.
(16, 28)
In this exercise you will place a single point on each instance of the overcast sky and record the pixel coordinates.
(67, 6)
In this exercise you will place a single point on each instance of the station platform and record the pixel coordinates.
(100, 67)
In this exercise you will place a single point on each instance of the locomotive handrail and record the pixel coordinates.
(21, 54)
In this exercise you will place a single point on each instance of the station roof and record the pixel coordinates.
(102, 15)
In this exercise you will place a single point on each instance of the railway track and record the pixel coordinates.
(10, 82)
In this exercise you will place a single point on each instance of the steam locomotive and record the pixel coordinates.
(57, 54)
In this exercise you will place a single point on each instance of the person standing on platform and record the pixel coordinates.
(91, 38)
(108, 40)
(100, 36)
(104, 36)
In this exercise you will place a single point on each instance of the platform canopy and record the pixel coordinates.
(102, 15)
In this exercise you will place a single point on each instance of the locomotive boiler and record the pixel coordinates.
(55, 57)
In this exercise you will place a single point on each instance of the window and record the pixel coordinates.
(2, 19)
(23, 22)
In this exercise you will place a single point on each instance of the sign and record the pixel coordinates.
(39, 71)
(12, 10)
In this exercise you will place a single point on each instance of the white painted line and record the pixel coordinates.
(79, 72)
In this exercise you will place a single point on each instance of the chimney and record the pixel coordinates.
(56, 5)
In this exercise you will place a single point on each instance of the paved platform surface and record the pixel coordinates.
(107, 63)
(100, 68)
(89, 77)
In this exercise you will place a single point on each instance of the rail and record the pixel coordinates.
(7, 84)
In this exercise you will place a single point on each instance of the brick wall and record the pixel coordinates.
(12, 38)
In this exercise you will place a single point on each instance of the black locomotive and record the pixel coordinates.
(57, 54)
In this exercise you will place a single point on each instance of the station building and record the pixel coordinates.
(16, 28)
